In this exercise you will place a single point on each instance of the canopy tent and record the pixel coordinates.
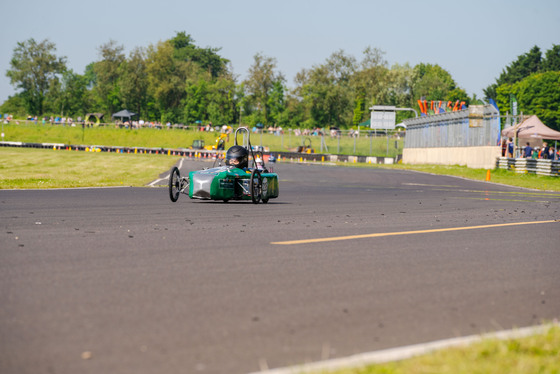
(531, 128)
(125, 113)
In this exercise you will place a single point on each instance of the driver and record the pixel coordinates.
(237, 156)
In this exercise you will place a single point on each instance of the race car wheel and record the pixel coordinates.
(174, 184)
(264, 191)
(256, 186)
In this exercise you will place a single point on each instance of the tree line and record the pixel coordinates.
(179, 82)
(534, 81)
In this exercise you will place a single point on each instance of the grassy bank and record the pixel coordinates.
(178, 138)
(539, 353)
(44, 168)
(502, 176)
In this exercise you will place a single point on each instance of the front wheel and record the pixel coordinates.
(174, 184)
(256, 186)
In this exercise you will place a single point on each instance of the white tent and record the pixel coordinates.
(531, 128)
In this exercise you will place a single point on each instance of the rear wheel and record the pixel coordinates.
(256, 186)
(174, 184)
(264, 190)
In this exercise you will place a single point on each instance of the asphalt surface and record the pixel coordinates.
(121, 280)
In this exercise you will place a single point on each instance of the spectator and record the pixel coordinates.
(510, 148)
(546, 148)
(528, 151)
(551, 153)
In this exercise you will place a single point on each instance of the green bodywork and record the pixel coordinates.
(229, 183)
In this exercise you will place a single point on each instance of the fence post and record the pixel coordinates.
(338, 146)
(387, 135)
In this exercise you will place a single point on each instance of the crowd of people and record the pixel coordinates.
(546, 152)
(543, 152)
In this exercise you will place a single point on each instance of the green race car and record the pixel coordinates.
(235, 181)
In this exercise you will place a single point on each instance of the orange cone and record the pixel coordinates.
(487, 175)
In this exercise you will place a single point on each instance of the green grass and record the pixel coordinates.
(176, 138)
(538, 353)
(22, 168)
(502, 176)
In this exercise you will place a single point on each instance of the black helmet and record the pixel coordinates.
(237, 156)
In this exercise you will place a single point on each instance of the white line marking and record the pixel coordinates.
(152, 184)
(401, 353)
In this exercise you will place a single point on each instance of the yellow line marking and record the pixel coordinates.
(430, 185)
(377, 235)
(544, 193)
(493, 199)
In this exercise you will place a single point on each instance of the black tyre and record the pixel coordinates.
(256, 186)
(174, 184)
(264, 190)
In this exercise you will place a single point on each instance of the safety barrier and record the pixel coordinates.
(207, 154)
(530, 166)
(479, 125)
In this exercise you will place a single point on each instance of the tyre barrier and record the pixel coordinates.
(206, 154)
(530, 166)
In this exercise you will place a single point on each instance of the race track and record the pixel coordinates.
(346, 260)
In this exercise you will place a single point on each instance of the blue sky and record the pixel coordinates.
(473, 40)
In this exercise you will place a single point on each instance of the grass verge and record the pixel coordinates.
(502, 176)
(176, 138)
(22, 168)
(539, 353)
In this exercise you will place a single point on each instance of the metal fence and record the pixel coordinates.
(479, 125)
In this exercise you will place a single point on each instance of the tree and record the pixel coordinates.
(207, 58)
(196, 102)
(34, 69)
(221, 109)
(277, 104)
(15, 105)
(369, 83)
(107, 73)
(540, 94)
(167, 78)
(524, 66)
(259, 85)
(551, 62)
(431, 82)
(399, 87)
(70, 96)
(133, 82)
(327, 93)
(537, 94)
